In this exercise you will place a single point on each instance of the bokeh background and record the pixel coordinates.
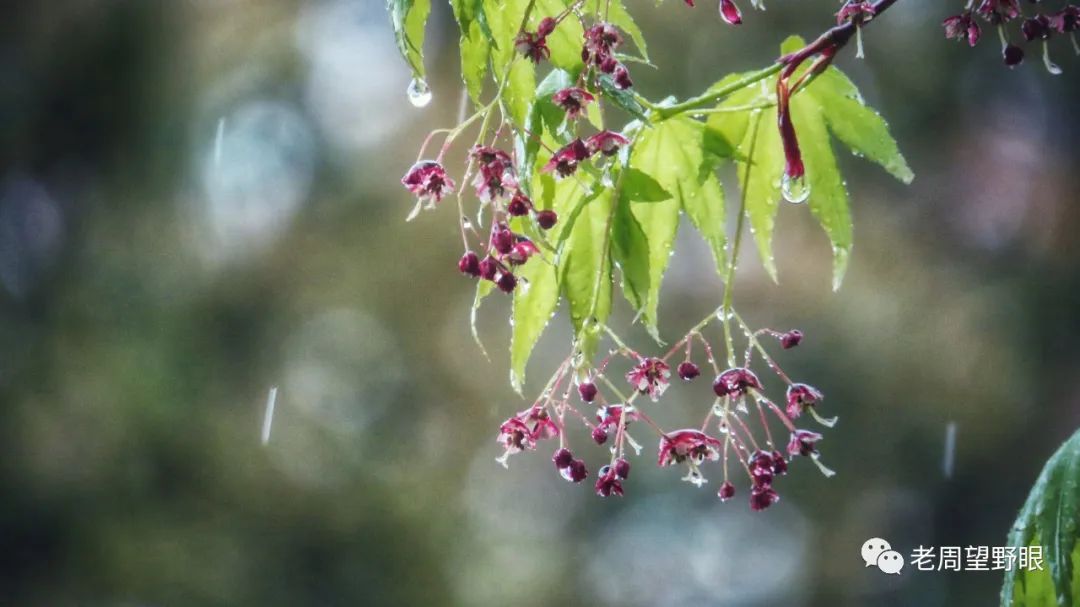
(199, 200)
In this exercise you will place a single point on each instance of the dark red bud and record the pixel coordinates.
(587, 391)
(517, 206)
(469, 264)
(779, 464)
(1013, 55)
(562, 458)
(502, 240)
(1036, 28)
(726, 492)
(578, 471)
(791, 339)
(730, 12)
(688, 370)
(547, 219)
(622, 468)
(599, 435)
(507, 282)
(488, 267)
(762, 497)
(547, 25)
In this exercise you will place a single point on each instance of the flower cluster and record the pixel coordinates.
(727, 435)
(1039, 27)
(601, 40)
(564, 162)
(496, 184)
(495, 180)
(597, 51)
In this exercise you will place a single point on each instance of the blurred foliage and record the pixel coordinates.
(146, 312)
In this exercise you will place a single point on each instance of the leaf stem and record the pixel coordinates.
(712, 97)
(615, 192)
(733, 258)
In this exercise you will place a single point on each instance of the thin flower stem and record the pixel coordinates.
(745, 429)
(584, 419)
(783, 416)
(761, 349)
(764, 422)
(613, 388)
(620, 434)
(427, 140)
(651, 423)
(623, 348)
(709, 353)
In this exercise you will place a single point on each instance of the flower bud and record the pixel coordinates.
(578, 471)
(502, 240)
(688, 370)
(599, 435)
(762, 497)
(547, 25)
(469, 264)
(507, 282)
(587, 391)
(488, 267)
(546, 218)
(517, 205)
(562, 458)
(726, 492)
(1012, 55)
(730, 12)
(791, 339)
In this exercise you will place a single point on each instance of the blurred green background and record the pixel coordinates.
(199, 200)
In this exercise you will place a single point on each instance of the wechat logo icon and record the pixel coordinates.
(877, 552)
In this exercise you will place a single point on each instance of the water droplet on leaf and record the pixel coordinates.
(795, 189)
(419, 93)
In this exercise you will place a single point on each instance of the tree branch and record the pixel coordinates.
(832, 40)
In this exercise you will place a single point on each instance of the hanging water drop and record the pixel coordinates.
(795, 189)
(419, 93)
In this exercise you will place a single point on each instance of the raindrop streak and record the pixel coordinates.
(795, 189)
(268, 417)
(219, 140)
(419, 93)
(949, 460)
